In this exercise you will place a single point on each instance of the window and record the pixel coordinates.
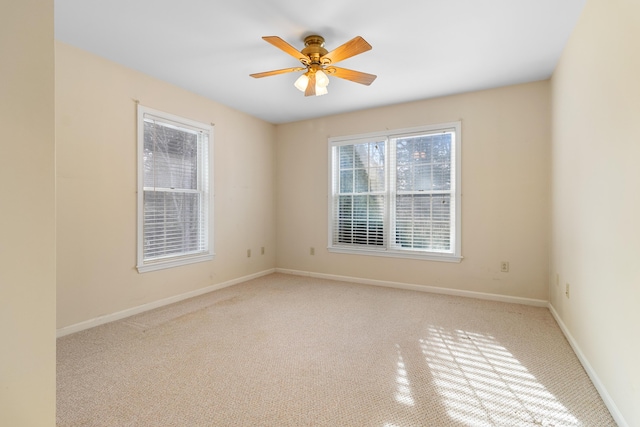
(397, 193)
(174, 206)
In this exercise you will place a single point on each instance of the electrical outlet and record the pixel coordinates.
(566, 290)
(262, 250)
(312, 251)
(504, 266)
(248, 253)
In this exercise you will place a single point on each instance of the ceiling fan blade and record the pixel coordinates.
(354, 76)
(276, 72)
(286, 47)
(311, 86)
(351, 48)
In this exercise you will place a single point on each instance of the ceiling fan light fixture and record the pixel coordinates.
(321, 90)
(321, 79)
(302, 82)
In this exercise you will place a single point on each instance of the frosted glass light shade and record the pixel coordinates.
(321, 79)
(302, 82)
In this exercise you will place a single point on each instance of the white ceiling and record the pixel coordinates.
(421, 48)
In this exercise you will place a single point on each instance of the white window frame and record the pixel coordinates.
(205, 184)
(389, 249)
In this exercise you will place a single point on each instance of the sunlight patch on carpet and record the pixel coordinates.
(481, 383)
(403, 387)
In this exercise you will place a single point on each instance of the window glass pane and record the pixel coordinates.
(376, 154)
(346, 155)
(362, 180)
(170, 157)
(424, 162)
(421, 235)
(418, 217)
(404, 207)
(360, 220)
(423, 166)
(421, 207)
(375, 220)
(421, 149)
(171, 223)
(441, 236)
(360, 204)
(414, 164)
(441, 148)
(345, 208)
(404, 234)
(442, 176)
(441, 207)
(405, 220)
(376, 209)
(361, 159)
(376, 179)
(404, 151)
(422, 176)
(346, 181)
(360, 232)
(345, 232)
(404, 178)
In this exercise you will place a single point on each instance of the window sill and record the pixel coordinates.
(428, 256)
(173, 262)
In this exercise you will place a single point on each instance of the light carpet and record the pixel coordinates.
(286, 350)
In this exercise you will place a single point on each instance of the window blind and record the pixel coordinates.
(396, 193)
(422, 206)
(175, 183)
(360, 194)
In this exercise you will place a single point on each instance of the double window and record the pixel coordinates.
(174, 202)
(397, 193)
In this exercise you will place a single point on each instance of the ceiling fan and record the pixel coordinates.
(318, 63)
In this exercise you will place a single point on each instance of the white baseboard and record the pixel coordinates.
(608, 401)
(421, 288)
(155, 304)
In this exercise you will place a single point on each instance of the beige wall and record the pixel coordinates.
(96, 189)
(27, 223)
(513, 177)
(596, 195)
(505, 183)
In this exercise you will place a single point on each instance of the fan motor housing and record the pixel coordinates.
(314, 48)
